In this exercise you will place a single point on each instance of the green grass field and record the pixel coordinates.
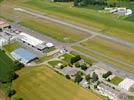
(56, 31)
(56, 62)
(11, 47)
(108, 23)
(1, 1)
(116, 80)
(105, 59)
(42, 83)
(111, 49)
(130, 98)
(6, 66)
(67, 57)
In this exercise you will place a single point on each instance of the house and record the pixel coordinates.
(111, 93)
(4, 25)
(84, 83)
(23, 55)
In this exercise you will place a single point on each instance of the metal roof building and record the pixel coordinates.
(23, 55)
(126, 84)
(34, 42)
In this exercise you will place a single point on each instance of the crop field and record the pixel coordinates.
(42, 83)
(6, 66)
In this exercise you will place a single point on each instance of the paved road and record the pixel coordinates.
(75, 27)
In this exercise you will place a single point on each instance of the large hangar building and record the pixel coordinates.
(23, 55)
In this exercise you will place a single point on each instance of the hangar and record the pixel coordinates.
(34, 42)
(23, 55)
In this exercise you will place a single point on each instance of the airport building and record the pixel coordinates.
(23, 55)
(34, 42)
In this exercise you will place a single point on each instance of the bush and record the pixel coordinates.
(10, 92)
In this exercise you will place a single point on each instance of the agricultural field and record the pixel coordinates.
(6, 66)
(48, 85)
(116, 80)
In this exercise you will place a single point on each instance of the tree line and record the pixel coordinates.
(98, 2)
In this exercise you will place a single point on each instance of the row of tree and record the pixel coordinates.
(99, 2)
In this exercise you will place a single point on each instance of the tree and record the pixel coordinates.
(75, 59)
(78, 77)
(77, 64)
(95, 86)
(111, 2)
(10, 92)
(83, 67)
(18, 65)
(88, 77)
(94, 76)
(107, 74)
(68, 77)
(76, 2)
(12, 76)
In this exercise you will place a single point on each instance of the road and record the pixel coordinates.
(77, 27)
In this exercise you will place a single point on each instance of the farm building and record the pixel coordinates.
(34, 42)
(126, 84)
(4, 25)
(23, 55)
